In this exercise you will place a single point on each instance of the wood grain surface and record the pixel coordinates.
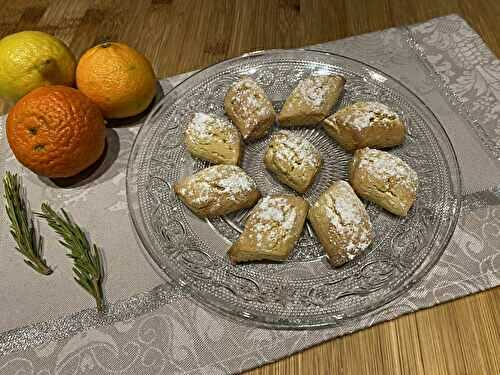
(460, 337)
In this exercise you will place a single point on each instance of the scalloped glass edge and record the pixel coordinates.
(261, 320)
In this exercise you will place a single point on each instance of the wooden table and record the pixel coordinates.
(461, 337)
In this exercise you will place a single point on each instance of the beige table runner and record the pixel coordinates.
(159, 329)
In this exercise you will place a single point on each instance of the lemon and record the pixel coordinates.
(30, 59)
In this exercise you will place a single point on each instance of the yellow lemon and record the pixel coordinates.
(30, 59)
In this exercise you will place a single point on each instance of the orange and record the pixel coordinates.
(56, 131)
(116, 77)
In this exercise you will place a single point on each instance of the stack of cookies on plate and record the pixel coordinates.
(275, 223)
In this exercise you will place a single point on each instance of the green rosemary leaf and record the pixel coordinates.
(22, 228)
(88, 272)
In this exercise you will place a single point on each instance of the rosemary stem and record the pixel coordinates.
(87, 263)
(98, 295)
(41, 267)
(29, 242)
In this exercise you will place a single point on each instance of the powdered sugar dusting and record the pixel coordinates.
(274, 215)
(348, 218)
(210, 183)
(208, 128)
(250, 100)
(291, 147)
(388, 167)
(362, 115)
(202, 194)
(236, 184)
(313, 90)
(271, 208)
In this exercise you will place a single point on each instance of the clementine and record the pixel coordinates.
(56, 131)
(116, 77)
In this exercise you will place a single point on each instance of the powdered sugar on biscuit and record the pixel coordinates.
(236, 184)
(388, 167)
(347, 218)
(313, 90)
(250, 100)
(275, 217)
(210, 184)
(362, 115)
(208, 128)
(293, 148)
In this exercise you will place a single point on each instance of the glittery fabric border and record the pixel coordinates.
(27, 337)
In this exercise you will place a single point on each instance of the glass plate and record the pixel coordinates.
(305, 291)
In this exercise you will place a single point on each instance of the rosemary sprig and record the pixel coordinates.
(29, 242)
(87, 266)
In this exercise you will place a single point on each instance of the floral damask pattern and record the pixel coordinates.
(468, 67)
(181, 337)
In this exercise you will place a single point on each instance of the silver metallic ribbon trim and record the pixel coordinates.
(30, 336)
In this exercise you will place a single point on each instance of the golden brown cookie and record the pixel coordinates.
(383, 179)
(214, 139)
(248, 106)
(217, 191)
(311, 101)
(271, 230)
(341, 223)
(365, 124)
(293, 159)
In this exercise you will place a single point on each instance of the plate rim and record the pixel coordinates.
(249, 318)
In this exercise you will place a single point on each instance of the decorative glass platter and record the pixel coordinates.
(305, 291)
